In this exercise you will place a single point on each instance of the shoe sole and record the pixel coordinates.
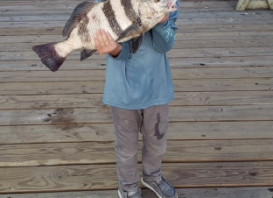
(150, 187)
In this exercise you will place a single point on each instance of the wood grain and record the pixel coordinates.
(72, 117)
(244, 192)
(105, 132)
(91, 177)
(177, 152)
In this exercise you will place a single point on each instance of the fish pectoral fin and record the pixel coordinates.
(79, 12)
(130, 31)
(85, 53)
(136, 43)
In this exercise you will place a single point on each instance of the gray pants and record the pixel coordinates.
(152, 123)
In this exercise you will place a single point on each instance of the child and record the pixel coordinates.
(138, 88)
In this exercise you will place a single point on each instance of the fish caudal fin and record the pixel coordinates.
(49, 56)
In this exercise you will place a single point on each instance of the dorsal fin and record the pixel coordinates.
(79, 12)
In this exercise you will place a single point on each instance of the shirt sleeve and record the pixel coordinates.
(163, 34)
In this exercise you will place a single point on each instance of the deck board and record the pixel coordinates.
(244, 192)
(53, 125)
(104, 132)
(92, 177)
(51, 154)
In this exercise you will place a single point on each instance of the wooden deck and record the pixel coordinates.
(56, 136)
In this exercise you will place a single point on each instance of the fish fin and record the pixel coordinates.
(130, 31)
(49, 56)
(136, 43)
(85, 53)
(78, 13)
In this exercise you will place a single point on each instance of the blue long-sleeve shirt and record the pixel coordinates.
(143, 79)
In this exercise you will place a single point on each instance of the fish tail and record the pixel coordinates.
(49, 56)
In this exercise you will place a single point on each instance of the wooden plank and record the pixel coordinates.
(250, 192)
(99, 74)
(87, 152)
(232, 98)
(244, 192)
(95, 63)
(72, 117)
(174, 53)
(104, 132)
(97, 177)
(96, 87)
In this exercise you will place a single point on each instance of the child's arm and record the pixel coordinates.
(164, 33)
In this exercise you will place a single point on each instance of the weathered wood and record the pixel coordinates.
(244, 192)
(231, 98)
(177, 152)
(175, 53)
(105, 132)
(99, 74)
(91, 177)
(86, 87)
(247, 61)
(73, 117)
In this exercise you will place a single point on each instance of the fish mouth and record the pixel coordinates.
(171, 5)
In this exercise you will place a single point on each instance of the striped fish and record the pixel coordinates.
(123, 19)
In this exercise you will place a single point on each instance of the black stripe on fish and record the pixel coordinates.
(130, 12)
(78, 14)
(83, 30)
(110, 15)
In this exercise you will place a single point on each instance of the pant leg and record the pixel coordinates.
(127, 124)
(154, 130)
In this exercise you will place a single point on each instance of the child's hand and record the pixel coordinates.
(106, 45)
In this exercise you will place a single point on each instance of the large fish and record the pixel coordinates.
(123, 19)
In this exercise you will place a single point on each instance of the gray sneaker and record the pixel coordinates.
(162, 189)
(124, 194)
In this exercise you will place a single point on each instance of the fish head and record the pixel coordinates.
(163, 5)
(168, 5)
(152, 12)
